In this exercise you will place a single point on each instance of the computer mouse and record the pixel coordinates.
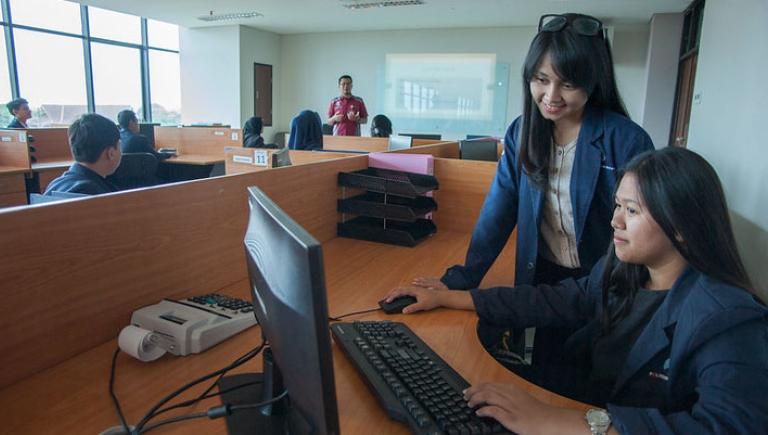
(397, 304)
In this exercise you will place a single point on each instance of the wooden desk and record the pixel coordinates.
(72, 396)
(194, 159)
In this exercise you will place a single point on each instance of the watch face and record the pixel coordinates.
(598, 417)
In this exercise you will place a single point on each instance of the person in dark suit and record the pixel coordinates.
(95, 144)
(19, 108)
(130, 139)
(669, 336)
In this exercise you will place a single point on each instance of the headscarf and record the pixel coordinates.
(252, 133)
(306, 131)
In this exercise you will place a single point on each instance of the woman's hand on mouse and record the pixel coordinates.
(426, 299)
(429, 282)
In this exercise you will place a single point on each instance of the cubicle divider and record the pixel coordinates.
(14, 164)
(448, 150)
(238, 160)
(51, 144)
(202, 141)
(355, 143)
(87, 263)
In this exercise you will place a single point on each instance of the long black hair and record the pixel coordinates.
(683, 194)
(584, 61)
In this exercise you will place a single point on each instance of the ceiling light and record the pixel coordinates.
(230, 16)
(383, 4)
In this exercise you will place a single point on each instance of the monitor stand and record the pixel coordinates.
(269, 420)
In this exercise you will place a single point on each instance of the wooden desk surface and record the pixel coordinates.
(59, 164)
(72, 397)
(11, 170)
(194, 159)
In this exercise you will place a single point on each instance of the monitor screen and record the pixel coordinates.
(422, 136)
(148, 129)
(479, 149)
(285, 266)
(399, 142)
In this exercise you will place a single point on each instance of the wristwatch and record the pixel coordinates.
(598, 420)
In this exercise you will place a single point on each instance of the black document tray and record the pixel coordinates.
(388, 181)
(396, 233)
(396, 207)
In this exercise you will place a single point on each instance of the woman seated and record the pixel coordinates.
(381, 126)
(306, 131)
(669, 335)
(252, 134)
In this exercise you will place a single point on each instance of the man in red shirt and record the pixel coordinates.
(346, 112)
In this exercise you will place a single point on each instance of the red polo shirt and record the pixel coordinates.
(343, 105)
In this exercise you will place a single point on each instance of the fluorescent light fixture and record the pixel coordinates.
(229, 16)
(383, 4)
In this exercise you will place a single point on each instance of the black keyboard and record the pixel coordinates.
(411, 382)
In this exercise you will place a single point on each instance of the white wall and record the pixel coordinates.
(661, 76)
(727, 122)
(257, 46)
(630, 47)
(210, 75)
(312, 63)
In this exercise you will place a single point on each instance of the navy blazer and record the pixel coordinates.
(699, 366)
(606, 142)
(79, 179)
(137, 143)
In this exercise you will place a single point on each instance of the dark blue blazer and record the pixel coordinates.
(699, 366)
(606, 142)
(136, 143)
(79, 179)
(15, 124)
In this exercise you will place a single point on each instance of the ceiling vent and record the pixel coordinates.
(383, 4)
(229, 16)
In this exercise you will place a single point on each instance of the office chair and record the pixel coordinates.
(328, 129)
(135, 170)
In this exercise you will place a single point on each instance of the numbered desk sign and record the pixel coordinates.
(242, 159)
(260, 157)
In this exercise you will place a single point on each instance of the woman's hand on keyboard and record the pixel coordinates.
(522, 413)
(429, 282)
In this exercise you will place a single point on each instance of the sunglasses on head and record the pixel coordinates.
(581, 24)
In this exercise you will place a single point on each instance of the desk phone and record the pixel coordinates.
(191, 325)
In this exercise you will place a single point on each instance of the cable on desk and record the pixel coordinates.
(215, 412)
(155, 410)
(112, 392)
(338, 318)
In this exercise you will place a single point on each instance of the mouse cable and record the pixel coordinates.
(214, 413)
(220, 373)
(338, 318)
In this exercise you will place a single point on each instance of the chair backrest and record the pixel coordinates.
(400, 142)
(327, 129)
(37, 198)
(135, 170)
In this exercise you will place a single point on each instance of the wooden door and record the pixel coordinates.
(262, 92)
(685, 82)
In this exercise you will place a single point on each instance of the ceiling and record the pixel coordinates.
(309, 16)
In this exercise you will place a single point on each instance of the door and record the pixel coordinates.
(262, 93)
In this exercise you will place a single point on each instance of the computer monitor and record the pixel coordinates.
(328, 129)
(281, 158)
(477, 136)
(400, 142)
(148, 129)
(285, 266)
(479, 149)
(422, 136)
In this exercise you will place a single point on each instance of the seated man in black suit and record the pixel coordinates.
(19, 108)
(130, 139)
(95, 144)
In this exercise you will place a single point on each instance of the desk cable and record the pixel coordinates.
(354, 313)
(157, 409)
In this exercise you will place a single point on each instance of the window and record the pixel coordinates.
(58, 15)
(163, 35)
(5, 86)
(51, 76)
(164, 73)
(116, 79)
(114, 25)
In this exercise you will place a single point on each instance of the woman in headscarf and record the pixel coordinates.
(306, 131)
